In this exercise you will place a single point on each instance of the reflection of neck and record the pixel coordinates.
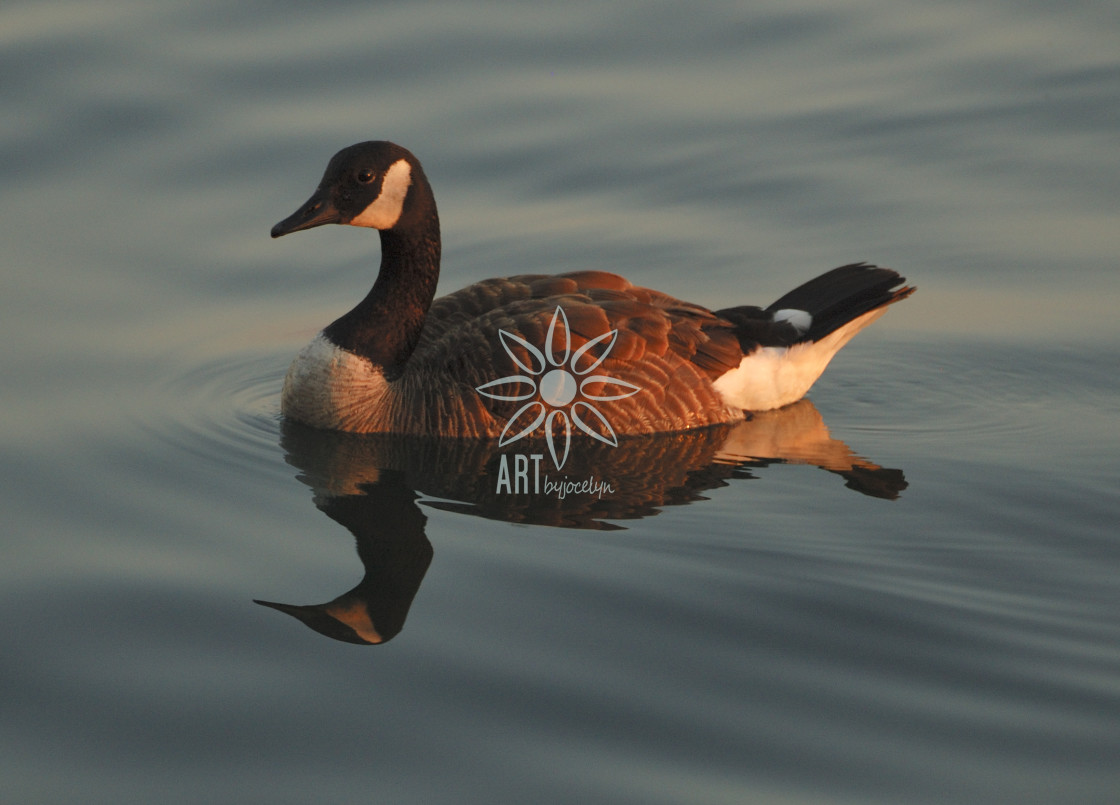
(386, 325)
(388, 528)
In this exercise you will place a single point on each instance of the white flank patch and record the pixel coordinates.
(329, 387)
(771, 377)
(800, 319)
(385, 210)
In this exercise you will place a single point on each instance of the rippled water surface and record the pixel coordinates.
(903, 590)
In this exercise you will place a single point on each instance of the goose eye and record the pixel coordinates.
(365, 177)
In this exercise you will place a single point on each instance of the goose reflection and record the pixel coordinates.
(370, 484)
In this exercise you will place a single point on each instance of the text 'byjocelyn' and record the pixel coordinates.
(525, 478)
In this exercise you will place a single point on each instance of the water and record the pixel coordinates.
(904, 590)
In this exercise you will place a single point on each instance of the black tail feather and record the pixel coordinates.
(842, 294)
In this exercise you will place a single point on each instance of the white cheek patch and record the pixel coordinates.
(385, 210)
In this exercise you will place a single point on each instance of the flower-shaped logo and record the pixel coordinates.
(557, 380)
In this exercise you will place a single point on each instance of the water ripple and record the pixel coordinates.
(224, 408)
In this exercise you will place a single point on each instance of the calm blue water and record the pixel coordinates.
(905, 590)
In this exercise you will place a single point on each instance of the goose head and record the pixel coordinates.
(375, 184)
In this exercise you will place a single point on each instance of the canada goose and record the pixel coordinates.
(495, 358)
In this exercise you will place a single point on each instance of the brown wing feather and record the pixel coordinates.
(669, 349)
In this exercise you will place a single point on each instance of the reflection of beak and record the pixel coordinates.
(348, 623)
(318, 210)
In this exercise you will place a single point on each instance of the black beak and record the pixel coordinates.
(318, 210)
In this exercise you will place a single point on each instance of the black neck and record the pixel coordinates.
(385, 326)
